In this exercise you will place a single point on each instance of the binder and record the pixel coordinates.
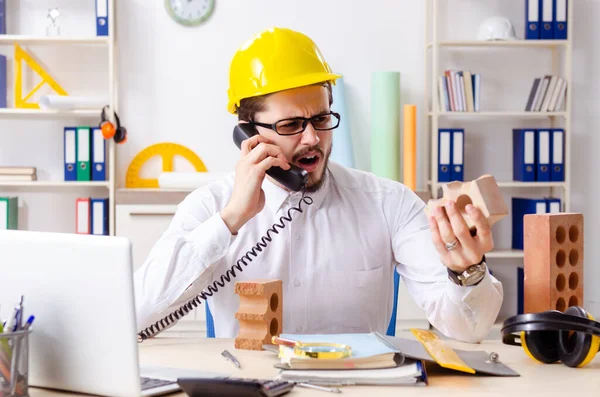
(444, 155)
(553, 205)
(458, 150)
(99, 216)
(3, 81)
(532, 19)
(542, 158)
(520, 208)
(2, 16)
(547, 28)
(557, 147)
(560, 19)
(102, 18)
(83, 154)
(98, 155)
(9, 213)
(70, 155)
(524, 155)
(82, 215)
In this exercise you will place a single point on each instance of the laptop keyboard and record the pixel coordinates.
(149, 383)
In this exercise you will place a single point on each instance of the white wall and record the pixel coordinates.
(174, 82)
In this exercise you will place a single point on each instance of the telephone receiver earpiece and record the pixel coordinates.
(294, 179)
(572, 337)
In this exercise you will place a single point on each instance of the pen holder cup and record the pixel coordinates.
(14, 364)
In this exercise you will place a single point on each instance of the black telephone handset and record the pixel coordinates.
(294, 179)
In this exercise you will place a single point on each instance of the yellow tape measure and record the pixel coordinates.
(167, 151)
(440, 351)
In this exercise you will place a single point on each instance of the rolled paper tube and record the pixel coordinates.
(385, 124)
(72, 102)
(342, 139)
(410, 146)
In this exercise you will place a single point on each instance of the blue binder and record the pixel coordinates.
(99, 215)
(524, 155)
(547, 24)
(553, 205)
(101, 17)
(542, 155)
(520, 208)
(2, 16)
(458, 150)
(444, 155)
(532, 19)
(70, 153)
(557, 157)
(3, 81)
(560, 19)
(98, 155)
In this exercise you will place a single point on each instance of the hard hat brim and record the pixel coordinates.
(296, 82)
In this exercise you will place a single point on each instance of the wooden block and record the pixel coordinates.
(553, 245)
(482, 192)
(260, 312)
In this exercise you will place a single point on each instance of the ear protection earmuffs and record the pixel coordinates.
(111, 126)
(572, 337)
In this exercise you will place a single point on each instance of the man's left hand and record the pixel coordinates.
(450, 229)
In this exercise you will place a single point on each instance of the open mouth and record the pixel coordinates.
(309, 161)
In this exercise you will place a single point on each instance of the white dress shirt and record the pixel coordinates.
(336, 260)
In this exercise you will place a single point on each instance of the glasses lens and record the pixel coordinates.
(324, 122)
(291, 126)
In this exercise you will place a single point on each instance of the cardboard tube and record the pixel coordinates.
(410, 146)
(385, 124)
(342, 139)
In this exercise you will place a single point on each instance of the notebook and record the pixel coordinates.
(411, 373)
(368, 351)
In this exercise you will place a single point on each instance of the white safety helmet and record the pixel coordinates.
(496, 28)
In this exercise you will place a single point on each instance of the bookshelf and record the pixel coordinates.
(560, 52)
(56, 185)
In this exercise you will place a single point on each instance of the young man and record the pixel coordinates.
(337, 256)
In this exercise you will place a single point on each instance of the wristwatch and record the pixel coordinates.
(469, 277)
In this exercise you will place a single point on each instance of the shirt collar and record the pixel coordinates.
(275, 195)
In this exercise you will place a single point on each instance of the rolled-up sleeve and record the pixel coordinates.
(462, 313)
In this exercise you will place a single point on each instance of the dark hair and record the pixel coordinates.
(250, 106)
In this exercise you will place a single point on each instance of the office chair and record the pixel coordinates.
(391, 331)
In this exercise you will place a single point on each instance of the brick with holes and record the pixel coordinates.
(259, 314)
(553, 245)
(482, 192)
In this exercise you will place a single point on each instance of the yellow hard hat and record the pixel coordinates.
(274, 60)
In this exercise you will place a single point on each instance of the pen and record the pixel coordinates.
(317, 387)
(28, 323)
(231, 358)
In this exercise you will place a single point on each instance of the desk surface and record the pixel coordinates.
(536, 379)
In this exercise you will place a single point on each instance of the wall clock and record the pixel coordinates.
(190, 12)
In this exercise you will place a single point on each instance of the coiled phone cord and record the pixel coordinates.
(187, 307)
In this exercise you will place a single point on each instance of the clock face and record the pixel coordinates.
(190, 12)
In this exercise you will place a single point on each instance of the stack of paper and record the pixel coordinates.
(22, 174)
(373, 361)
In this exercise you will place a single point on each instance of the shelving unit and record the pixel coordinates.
(85, 116)
(433, 117)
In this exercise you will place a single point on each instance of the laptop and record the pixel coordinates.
(80, 290)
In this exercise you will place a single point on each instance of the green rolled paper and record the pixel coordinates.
(385, 124)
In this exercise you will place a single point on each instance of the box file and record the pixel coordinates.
(9, 213)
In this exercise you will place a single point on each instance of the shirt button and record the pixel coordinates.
(297, 236)
(297, 283)
(299, 329)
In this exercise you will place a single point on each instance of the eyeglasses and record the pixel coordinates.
(297, 125)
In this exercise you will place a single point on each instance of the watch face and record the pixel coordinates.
(190, 12)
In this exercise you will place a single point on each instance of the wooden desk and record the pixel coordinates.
(536, 379)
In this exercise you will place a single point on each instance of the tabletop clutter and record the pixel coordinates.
(14, 344)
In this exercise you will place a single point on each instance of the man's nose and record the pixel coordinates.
(310, 136)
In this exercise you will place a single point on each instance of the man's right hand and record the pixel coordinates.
(248, 198)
